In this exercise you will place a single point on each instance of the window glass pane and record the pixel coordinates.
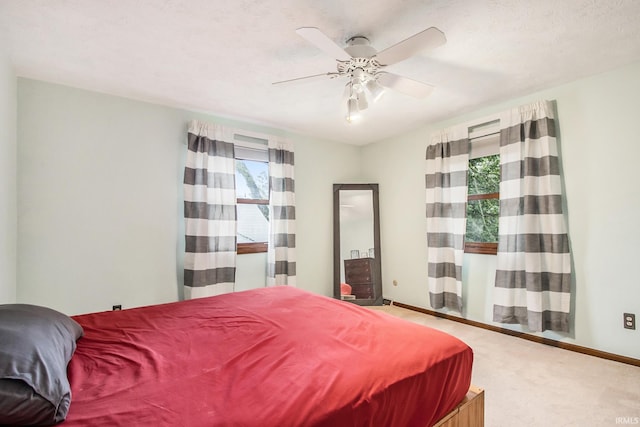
(484, 175)
(252, 179)
(482, 220)
(253, 223)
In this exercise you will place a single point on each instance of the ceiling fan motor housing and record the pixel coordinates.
(358, 66)
(362, 66)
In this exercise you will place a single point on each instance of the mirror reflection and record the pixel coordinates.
(356, 243)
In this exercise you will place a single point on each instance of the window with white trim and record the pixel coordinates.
(252, 194)
(483, 200)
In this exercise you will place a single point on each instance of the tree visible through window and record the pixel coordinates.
(252, 189)
(483, 205)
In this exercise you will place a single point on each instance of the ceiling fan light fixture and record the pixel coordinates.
(353, 112)
(362, 101)
(375, 89)
(358, 74)
(357, 85)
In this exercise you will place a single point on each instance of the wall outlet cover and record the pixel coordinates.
(629, 321)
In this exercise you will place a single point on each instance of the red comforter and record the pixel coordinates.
(268, 357)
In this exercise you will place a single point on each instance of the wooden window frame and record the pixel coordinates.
(252, 202)
(253, 247)
(482, 248)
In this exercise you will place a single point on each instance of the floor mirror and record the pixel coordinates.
(356, 244)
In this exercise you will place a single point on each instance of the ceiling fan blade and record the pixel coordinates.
(308, 78)
(425, 40)
(324, 43)
(404, 85)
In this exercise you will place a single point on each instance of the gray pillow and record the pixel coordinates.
(36, 344)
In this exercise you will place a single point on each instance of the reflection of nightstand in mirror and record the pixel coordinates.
(359, 274)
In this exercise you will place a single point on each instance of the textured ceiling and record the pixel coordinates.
(222, 56)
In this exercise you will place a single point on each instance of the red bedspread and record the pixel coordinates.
(268, 357)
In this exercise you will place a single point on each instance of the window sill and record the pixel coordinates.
(251, 248)
(480, 248)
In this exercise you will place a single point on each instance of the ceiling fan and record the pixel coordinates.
(363, 66)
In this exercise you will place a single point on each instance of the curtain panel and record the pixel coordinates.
(533, 277)
(209, 211)
(281, 253)
(446, 196)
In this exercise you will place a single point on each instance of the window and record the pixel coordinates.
(483, 201)
(252, 197)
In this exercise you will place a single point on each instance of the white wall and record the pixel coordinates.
(100, 211)
(318, 166)
(8, 201)
(100, 201)
(600, 150)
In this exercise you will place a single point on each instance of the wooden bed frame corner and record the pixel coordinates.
(469, 413)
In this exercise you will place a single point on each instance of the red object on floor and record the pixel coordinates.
(345, 289)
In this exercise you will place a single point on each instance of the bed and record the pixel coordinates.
(267, 357)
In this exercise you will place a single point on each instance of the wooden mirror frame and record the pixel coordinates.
(337, 263)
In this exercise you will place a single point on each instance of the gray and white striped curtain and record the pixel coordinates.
(533, 277)
(209, 211)
(446, 194)
(281, 253)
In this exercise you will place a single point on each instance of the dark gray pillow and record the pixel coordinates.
(36, 344)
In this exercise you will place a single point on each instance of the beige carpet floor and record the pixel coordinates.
(531, 384)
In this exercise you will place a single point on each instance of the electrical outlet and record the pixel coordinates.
(117, 307)
(629, 321)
